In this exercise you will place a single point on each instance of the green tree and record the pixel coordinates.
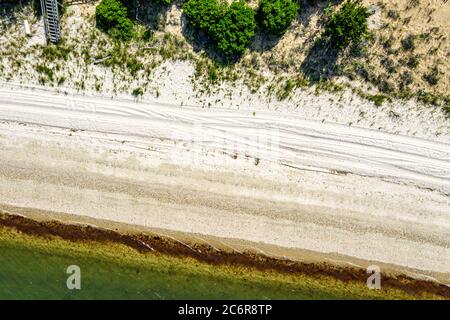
(112, 17)
(347, 25)
(235, 29)
(204, 14)
(276, 15)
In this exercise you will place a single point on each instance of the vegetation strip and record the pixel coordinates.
(253, 35)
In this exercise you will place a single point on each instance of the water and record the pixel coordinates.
(35, 268)
(31, 274)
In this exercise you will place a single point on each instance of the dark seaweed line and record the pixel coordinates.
(207, 254)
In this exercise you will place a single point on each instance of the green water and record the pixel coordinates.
(36, 274)
(36, 268)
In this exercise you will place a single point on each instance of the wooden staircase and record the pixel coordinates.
(50, 14)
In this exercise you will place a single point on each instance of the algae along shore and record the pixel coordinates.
(38, 259)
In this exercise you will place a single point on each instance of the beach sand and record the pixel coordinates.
(388, 211)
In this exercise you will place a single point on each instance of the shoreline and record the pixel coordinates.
(286, 159)
(148, 242)
(215, 243)
(330, 191)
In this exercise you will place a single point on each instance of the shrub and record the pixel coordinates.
(111, 17)
(432, 77)
(408, 44)
(286, 90)
(412, 62)
(377, 99)
(392, 14)
(138, 92)
(204, 14)
(231, 27)
(52, 52)
(347, 25)
(45, 70)
(406, 79)
(235, 29)
(276, 15)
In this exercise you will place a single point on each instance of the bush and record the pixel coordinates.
(111, 17)
(377, 99)
(204, 14)
(45, 70)
(432, 77)
(412, 62)
(408, 44)
(231, 27)
(138, 92)
(347, 25)
(276, 15)
(235, 29)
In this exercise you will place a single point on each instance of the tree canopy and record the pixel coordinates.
(347, 25)
(230, 26)
(235, 29)
(276, 15)
(112, 17)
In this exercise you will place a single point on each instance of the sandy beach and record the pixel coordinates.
(272, 179)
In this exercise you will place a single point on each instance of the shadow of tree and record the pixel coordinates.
(311, 8)
(264, 41)
(308, 8)
(8, 9)
(320, 63)
(149, 13)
